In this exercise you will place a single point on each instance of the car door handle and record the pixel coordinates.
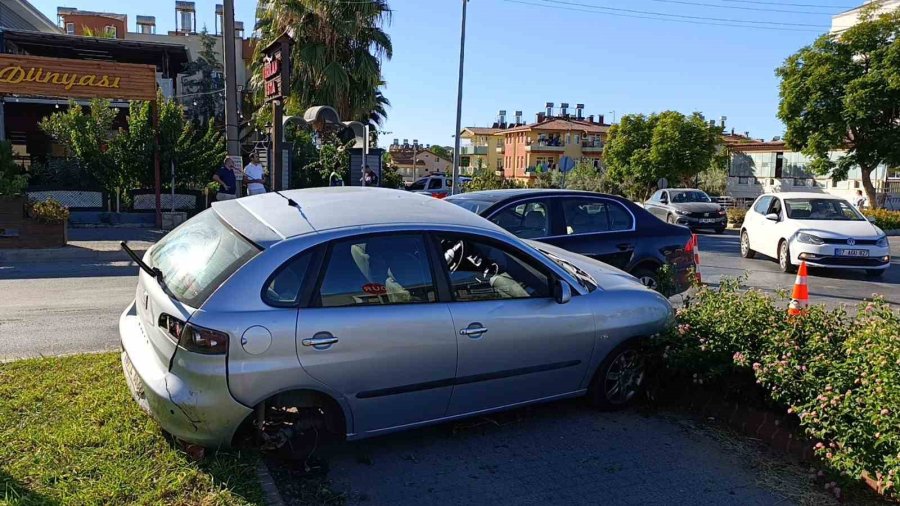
(473, 331)
(319, 341)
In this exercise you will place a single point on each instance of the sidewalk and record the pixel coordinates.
(92, 244)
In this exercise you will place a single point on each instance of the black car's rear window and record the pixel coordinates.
(474, 205)
(197, 257)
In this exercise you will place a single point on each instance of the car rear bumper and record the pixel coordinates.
(825, 256)
(192, 406)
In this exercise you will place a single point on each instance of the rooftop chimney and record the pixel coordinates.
(579, 111)
(396, 142)
(600, 120)
(549, 106)
(146, 24)
(405, 143)
(591, 118)
(518, 118)
(564, 109)
(501, 119)
(747, 134)
(541, 117)
(723, 119)
(185, 17)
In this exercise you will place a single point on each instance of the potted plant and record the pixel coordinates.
(48, 221)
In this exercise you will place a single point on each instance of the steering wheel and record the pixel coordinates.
(489, 273)
(454, 256)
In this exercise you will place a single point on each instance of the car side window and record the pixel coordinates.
(377, 270)
(587, 216)
(656, 196)
(434, 184)
(283, 287)
(762, 205)
(481, 270)
(664, 196)
(529, 220)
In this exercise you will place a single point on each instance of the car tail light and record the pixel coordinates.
(194, 338)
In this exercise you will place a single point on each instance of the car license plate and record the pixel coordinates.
(852, 252)
(707, 220)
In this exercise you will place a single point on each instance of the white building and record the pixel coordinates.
(846, 19)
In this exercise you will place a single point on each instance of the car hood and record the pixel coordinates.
(836, 229)
(607, 276)
(697, 207)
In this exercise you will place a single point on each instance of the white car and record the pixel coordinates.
(824, 230)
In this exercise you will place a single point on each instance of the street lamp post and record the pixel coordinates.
(462, 54)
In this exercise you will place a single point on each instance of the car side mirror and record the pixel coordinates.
(772, 217)
(563, 292)
(871, 219)
(664, 200)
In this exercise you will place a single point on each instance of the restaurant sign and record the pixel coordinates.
(66, 78)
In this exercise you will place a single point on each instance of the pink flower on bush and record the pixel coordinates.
(756, 366)
(739, 358)
(819, 446)
(683, 329)
(884, 412)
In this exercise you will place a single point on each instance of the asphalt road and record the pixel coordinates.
(73, 306)
(720, 257)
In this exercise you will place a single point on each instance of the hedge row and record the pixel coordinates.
(887, 220)
(837, 372)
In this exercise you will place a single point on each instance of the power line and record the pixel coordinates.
(682, 16)
(758, 9)
(770, 28)
(818, 6)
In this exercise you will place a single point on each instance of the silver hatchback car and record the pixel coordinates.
(367, 311)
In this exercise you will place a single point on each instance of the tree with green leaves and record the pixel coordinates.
(337, 54)
(442, 151)
(641, 150)
(842, 93)
(86, 134)
(390, 177)
(205, 79)
(585, 177)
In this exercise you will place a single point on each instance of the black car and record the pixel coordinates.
(689, 207)
(604, 227)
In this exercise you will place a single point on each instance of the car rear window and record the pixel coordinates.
(197, 257)
(476, 206)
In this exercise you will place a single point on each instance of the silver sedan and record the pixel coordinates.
(365, 311)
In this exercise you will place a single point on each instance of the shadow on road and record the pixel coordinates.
(93, 268)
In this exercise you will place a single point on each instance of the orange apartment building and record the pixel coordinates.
(522, 149)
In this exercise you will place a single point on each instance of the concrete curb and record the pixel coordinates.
(74, 251)
(270, 491)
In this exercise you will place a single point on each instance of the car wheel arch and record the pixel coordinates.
(339, 416)
(634, 342)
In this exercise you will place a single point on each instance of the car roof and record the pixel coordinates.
(682, 189)
(806, 195)
(268, 218)
(495, 196)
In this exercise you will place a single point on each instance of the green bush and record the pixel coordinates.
(839, 373)
(885, 219)
(12, 180)
(736, 216)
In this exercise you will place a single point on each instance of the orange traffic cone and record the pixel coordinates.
(693, 246)
(800, 297)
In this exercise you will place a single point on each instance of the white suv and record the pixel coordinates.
(824, 230)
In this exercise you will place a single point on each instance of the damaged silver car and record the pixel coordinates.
(365, 311)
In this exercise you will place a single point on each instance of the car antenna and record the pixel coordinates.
(291, 202)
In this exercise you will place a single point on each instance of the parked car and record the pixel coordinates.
(821, 229)
(296, 310)
(436, 185)
(604, 227)
(689, 207)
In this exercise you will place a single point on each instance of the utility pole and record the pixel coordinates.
(462, 54)
(232, 143)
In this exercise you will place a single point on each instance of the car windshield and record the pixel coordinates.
(821, 209)
(689, 196)
(418, 185)
(197, 257)
(476, 206)
(585, 279)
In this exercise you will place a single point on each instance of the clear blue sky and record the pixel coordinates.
(520, 56)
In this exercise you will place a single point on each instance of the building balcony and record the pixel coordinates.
(541, 147)
(501, 149)
(592, 148)
(473, 150)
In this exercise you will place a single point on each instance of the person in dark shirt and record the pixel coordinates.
(227, 182)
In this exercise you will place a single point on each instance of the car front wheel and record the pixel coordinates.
(784, 258)
(746, 252)
(619, 379)
(647, 277)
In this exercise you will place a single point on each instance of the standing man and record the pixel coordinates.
(860, 200)
(227, 182)
(255, 175)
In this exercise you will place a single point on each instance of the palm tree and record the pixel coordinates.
(337, 53)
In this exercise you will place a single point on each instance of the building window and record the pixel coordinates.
(577, 139)
(70, 28)
(111, 31)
